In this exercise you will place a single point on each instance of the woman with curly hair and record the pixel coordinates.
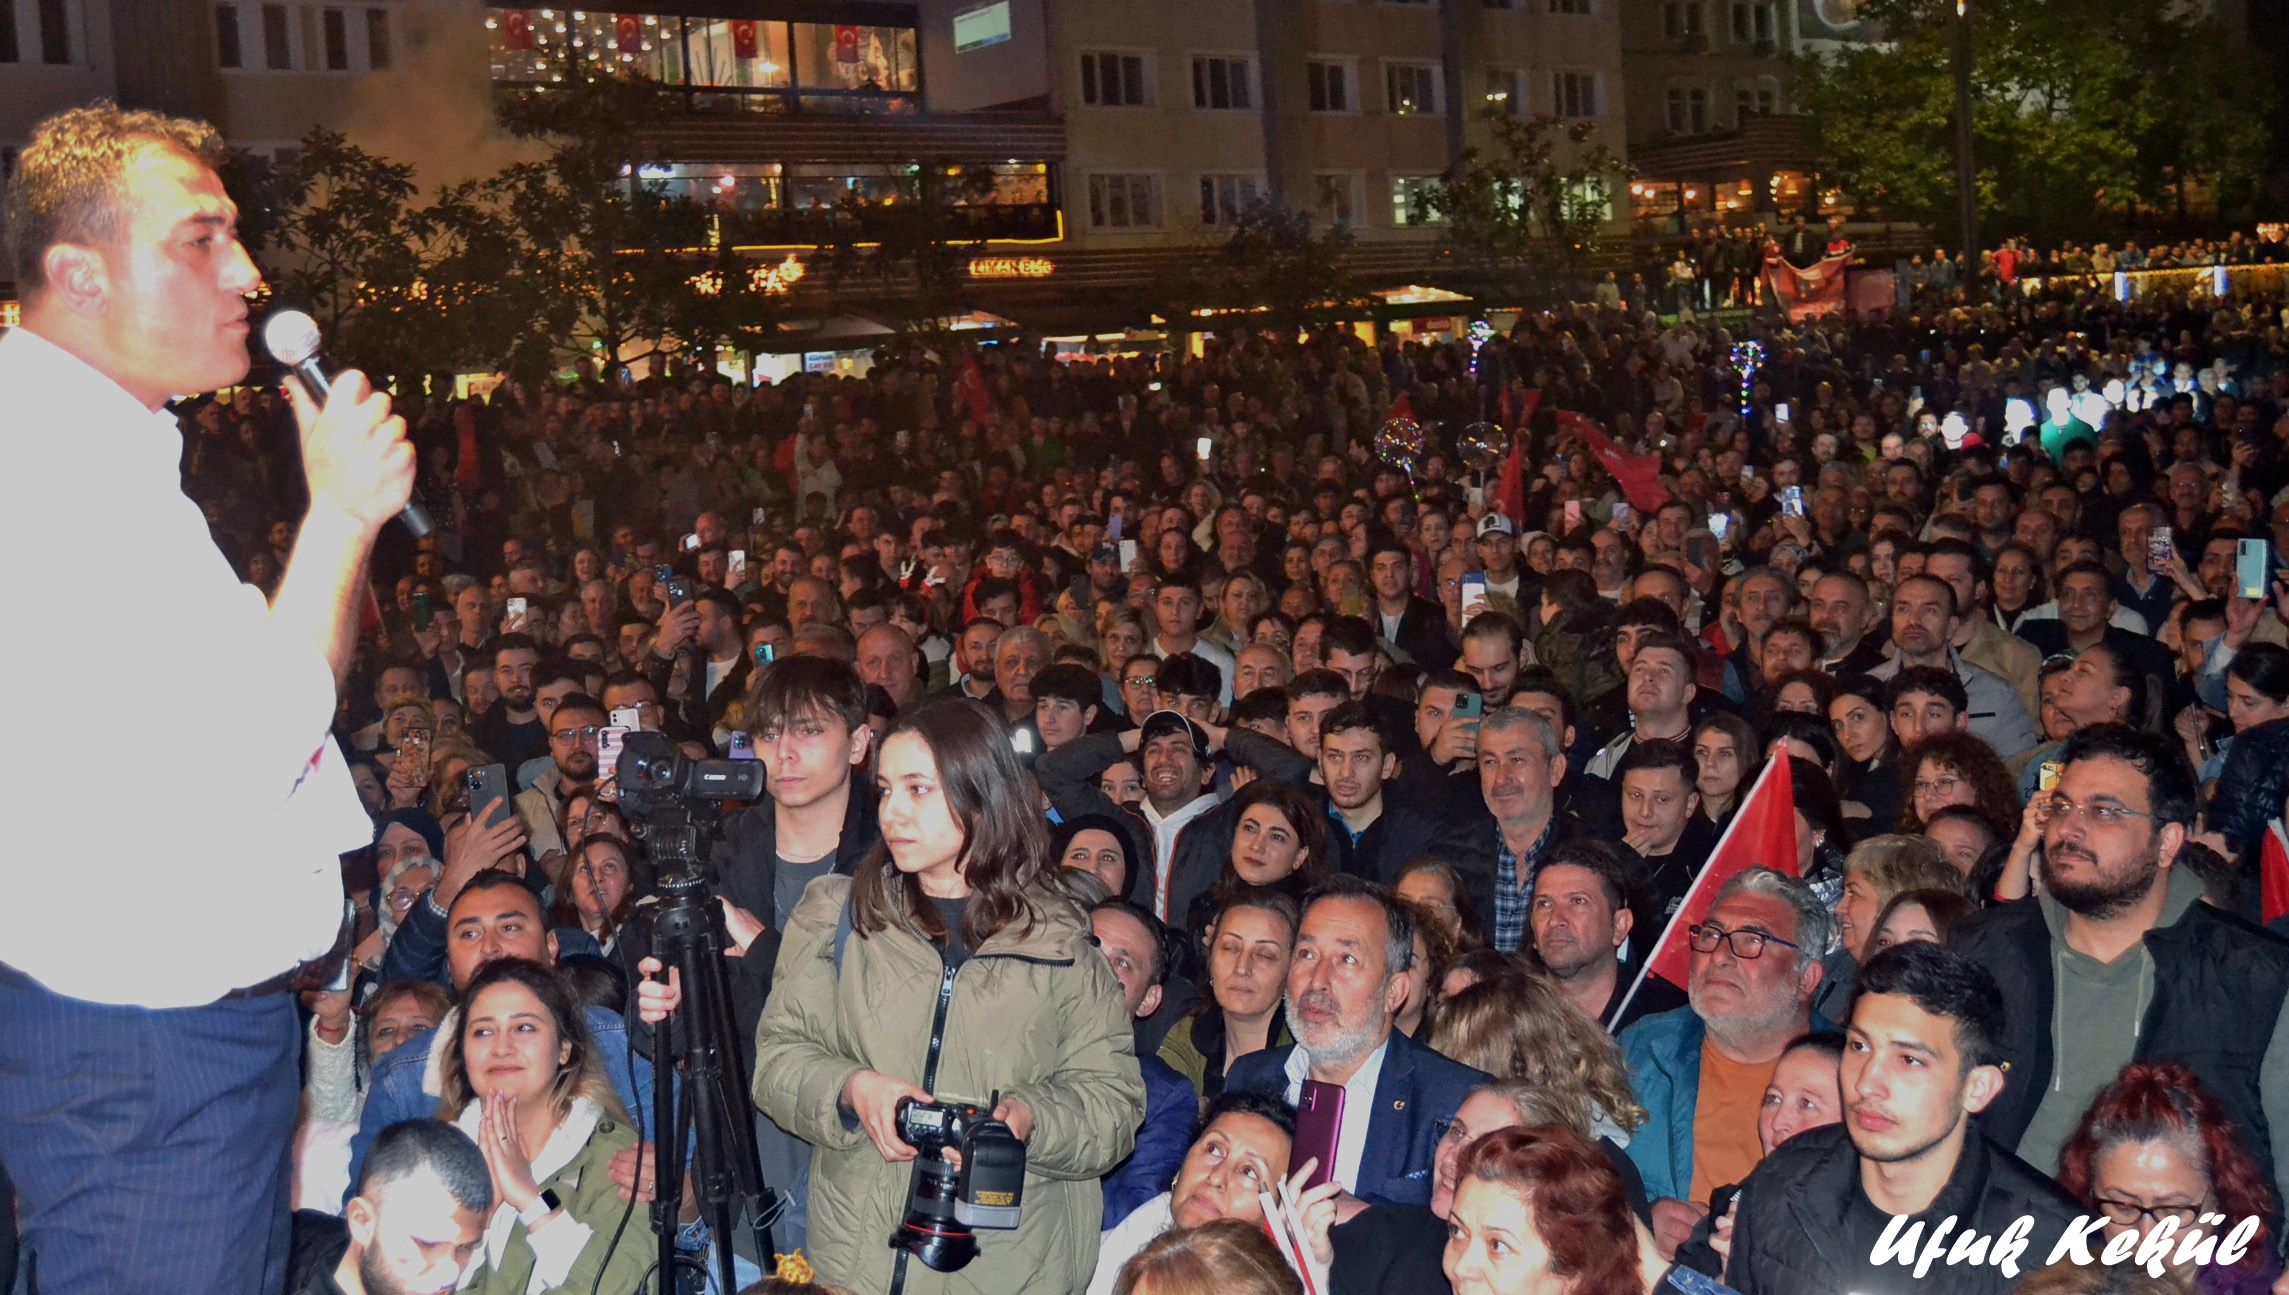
(1958, 769)
(2156, 1145)
(1521, 1027)
(1540, 1211)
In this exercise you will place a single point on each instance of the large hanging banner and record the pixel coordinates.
(1816, 289)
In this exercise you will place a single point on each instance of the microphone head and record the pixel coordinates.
(290, 336)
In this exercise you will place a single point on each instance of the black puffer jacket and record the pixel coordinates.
(1793, 1235)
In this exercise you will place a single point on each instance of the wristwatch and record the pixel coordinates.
(549, 1203)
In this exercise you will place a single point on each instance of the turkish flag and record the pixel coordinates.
(970, 392)
(627, 33)
(743, 44)
(517, 28)
(1638, 474)
(846, 42)
(2273, 872)
(1762, 834)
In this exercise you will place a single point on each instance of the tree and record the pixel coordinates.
(1526, 210)
(1275, 259)
(349, 247)
(2083, 112)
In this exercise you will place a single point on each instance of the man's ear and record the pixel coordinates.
(1150, 1004)
(1962, 721)
(1390, 766)
(1982, 1086)
(551, 944)
(1624, 921)
(78, 278)
(363, 1218)
(1088, 717)
(861, 738)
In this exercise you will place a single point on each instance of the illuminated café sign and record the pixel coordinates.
(1012, 267)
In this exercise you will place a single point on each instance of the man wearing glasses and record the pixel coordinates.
(2118, 960)
(571, 767)
(1701, 1070)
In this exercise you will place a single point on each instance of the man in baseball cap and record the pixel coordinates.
(1498, 553)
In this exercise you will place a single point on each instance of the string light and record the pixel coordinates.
(1747, 357)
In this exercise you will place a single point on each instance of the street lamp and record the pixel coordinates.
(1966, 176)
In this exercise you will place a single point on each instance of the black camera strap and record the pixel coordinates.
(929, 1083)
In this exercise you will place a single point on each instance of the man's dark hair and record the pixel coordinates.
(1074, 683)
(1350, 635)
(495, 879)
(1646, 613)
(514, 643)
(1399, 918)
(1178, 579)
(1492, 624)
(2085, 569)
(1575, 592)
(1947, 984)
(1542, 679)
(1949, 546)
(1665, 754)
(580, 701)
(1242, 1101)
(795, 687)
(1801, 628)
(2169, 779)
(1453, 679)
(1927, 678)
(1622, 883)
(721, 599)
(1157, 930)
(1188, 674)
(1321, 682)
(1352, 716)
(1671, 643)
(409, 1147)
(1265, 705)
(627, 679)
(558, 669)
(993, 587)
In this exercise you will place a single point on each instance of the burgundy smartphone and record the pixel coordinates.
(1319, 1118)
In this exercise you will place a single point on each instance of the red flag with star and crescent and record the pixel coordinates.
(517, 29)
(627, 33)
(1638, 474)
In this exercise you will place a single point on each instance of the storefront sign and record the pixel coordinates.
(1012, 267)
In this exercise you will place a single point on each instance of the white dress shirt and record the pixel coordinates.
(1358, 1108)
(181, 801)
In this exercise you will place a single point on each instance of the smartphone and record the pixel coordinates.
(625, 717)
(516, 615)
(1748, 472)
(1021, 741)
(488, 786)
(1205, 448)
(2253, 568)
(1621, 516)
(415, 748)
(1720, 524)
(663, 573)
(1113, 526)
(1128, 554)
(755, 518)
(2047, 777)
(1698, 552)
(679, 591)
(610, 741)
(1780, 412)
(2158, 548)
(735, 571)
(691, 542)
(741, 746)
(1688, 1281)
(1469, 705)
(1473, 595)
(424, 611)
(1792, 501)
(1573, 513)
(764, 655)
(1319, 1119)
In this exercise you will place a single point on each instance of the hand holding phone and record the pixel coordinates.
(1473, 595)
(2160, 548)
(488, 787)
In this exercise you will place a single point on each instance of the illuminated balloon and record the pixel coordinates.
(1401, 443)
(1481, 446)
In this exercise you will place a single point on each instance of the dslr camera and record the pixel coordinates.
(945, 1203)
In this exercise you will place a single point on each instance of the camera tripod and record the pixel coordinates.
(688, 937)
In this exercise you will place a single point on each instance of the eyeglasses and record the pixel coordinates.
(1139, 681)
(587, 734)
(1944, 786)
(1452, 1130)
(2105, 813)
(2132, 1214)
(1748, 946)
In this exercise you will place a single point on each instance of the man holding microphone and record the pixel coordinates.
(148, 1041)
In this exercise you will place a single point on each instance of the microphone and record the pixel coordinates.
(291, 337)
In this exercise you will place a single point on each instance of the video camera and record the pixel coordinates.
(658, 784)
(945, 1203)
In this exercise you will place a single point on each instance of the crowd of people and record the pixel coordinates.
(1148, 754)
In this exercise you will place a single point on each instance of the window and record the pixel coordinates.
(1335, 198)
(228, 51)
(1411, 89)
(277, 45)
(1578, 8)
(1688, 110)
(1681, 19)
(1115, 81)
(1507, 88)
(1752, 22)
(1574, 94)
(337, 26)
(1411, 200)
(378, 49)
(1224, 197)
(10, 51)
(55, 33)
(1221, 83)
(1756, 98)
(1124, 202)
(1330, 86)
